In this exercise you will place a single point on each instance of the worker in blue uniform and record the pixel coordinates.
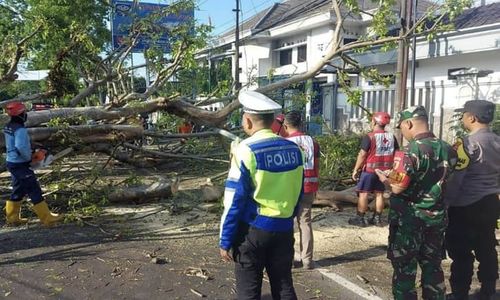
(19, 159)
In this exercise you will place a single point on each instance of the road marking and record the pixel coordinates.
(348, 285)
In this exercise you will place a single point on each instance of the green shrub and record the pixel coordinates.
(338, 156)
(495, 125)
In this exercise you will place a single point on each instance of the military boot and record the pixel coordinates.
(377, 220)
(13, 213)
(358, 220)
(487, 291)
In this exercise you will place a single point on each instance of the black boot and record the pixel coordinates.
(377, 220)
(358, 220)
(487, 291)
(456, 297)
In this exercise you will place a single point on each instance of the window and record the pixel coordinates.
(285, 57)
(349, 40)
(302, 53)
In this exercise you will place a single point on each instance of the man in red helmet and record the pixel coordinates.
(377, 152)
(278, 125)
(19, 159)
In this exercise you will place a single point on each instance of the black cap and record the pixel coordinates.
(482, 109)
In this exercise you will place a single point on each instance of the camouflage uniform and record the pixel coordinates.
(417, 216)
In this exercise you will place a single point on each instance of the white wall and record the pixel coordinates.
(255, 61)
(456, 93)
(461, 42)
(317, 43)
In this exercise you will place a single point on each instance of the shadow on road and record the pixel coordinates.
(353, 256)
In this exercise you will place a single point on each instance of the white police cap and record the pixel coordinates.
(257, 103)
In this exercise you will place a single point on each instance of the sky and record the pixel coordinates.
(221, 14)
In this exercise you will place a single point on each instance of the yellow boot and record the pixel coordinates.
(13, 213)
(46, 217)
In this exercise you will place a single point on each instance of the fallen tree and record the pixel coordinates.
(145, 193)
(91, 88)
(336, 199)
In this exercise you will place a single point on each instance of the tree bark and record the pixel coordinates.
(335, 196)
(144, 193)
(86, 133)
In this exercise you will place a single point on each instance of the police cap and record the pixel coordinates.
(482, 109)
(257, 103)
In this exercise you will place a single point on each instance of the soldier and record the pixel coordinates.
(417, 216)
(472, 195)
(377, 152)
(263, 188)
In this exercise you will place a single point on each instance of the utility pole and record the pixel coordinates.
(237, 48)
(402, 66)
(414, 52)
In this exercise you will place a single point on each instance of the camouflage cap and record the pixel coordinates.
(410, 112)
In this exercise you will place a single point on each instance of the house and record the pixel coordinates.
(290, 37)
(457, 66)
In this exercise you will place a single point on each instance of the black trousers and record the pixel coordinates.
(254, 250)
(471, 234)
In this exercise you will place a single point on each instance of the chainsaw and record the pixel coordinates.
(41, 157)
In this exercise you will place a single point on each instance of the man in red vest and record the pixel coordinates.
(377, 152)
(291, 125)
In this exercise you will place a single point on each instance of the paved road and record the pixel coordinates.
(72, 262)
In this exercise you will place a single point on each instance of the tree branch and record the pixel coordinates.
(10, 75)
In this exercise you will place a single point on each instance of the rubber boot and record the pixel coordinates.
(46, 217)
(13, 213)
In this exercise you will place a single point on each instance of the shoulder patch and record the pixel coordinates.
(463, 157)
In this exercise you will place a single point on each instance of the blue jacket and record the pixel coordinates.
(263, 187)
(17, 143)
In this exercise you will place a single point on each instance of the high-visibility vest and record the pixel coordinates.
(381, 153)
(311, 160)
(264, 185)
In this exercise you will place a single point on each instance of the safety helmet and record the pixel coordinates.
(381, 118)
(277, 126)
(15, 108)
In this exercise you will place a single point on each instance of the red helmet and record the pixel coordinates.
(381, 118)
(15, 108)
(277, 126)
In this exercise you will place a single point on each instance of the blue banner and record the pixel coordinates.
(123, 16)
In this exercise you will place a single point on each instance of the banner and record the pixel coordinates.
(125, 12)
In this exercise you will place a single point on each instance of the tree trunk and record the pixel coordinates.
(347, 195)
(84, 133)
(144, 193)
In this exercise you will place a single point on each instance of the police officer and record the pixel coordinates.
(472, 195)
(263, 188)
(19, 157)
(417, 216)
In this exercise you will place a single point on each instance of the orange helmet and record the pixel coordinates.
(15, 108)
(381, 118)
